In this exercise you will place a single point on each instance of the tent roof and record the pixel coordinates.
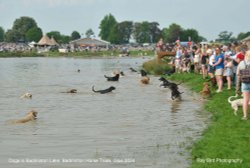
(90, 42)
(246, 39)
(53, 41)
(45, 40)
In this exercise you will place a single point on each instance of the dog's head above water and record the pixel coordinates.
(33, 114)
(112, 88)
(162, 79)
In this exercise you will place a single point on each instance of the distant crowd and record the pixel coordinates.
(14, 47)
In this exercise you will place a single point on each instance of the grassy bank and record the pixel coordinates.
(73, 54)
(226, 141)
(20, 54)
(156, 67)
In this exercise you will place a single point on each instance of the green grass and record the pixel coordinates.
(156, 67)
(227, 136)
(74, 54)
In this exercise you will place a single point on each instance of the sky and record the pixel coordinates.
(208, 17)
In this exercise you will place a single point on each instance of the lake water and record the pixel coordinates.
(135, 126)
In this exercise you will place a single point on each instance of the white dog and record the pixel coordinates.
(26, 95)
(235, 103)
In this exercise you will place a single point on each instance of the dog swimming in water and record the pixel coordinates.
(103, 91)
(27, 96)
(112, 78)
(31, 116)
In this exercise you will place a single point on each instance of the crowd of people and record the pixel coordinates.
(222, 64)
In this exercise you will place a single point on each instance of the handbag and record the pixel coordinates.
(245, 74)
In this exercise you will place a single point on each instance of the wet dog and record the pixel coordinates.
(145, 80)
(206, 90)
(213, 81)
(143, 72)
(166, 83)
(31, 116)
(235, 103)
(170, 72)
(113, 78)
(121, 73)
(70, 91)
(26, 95)
(132, 69)
(103, 91)
(175, 94)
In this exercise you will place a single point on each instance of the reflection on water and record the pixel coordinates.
(135, 126)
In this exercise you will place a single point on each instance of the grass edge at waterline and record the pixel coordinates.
(86, 54)
(225, 142)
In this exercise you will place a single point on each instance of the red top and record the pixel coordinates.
(240, 56)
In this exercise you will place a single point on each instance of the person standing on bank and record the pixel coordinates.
(219, 66)
(245, 86)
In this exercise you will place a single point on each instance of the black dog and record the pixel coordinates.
(143, 72)
(104, 91)
(168, 84)
(70, 91)
(133, 70)
(113, 78)
(171, 71)
(175, 94)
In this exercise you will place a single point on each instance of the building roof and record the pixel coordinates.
(45, 40)
(53, 41)
(90, 42)
(246, 39)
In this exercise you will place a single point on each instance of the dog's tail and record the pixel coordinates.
(229, 99)
(93, 89)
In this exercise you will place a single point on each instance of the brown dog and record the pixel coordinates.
(206, 90)
(145, 80)
(31, 116)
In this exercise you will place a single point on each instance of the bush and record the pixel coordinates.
(156, 67)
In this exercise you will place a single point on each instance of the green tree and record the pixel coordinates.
(115, 37)
(121, 32)
(1, 34)
(56, 35)
(89, 33)
(19, 29)
(65, 39)
(34, 34)
(142, 32)
(225, 37)
(155, 32)
(12, 36)
(191, 34)
(125, 30)
(75, 35)
(106, 25)
(23, 24)
(172, 33)
(241, 35)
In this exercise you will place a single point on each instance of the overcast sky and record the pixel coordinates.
(209, 17)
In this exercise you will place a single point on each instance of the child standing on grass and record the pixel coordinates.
(228, 72)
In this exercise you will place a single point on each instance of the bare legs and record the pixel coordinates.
(245, 104)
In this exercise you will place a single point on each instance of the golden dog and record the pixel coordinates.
(145, 80)
(206, 90)
(26, 95)
(31, 116)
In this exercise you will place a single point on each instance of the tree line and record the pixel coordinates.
(25, 29)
